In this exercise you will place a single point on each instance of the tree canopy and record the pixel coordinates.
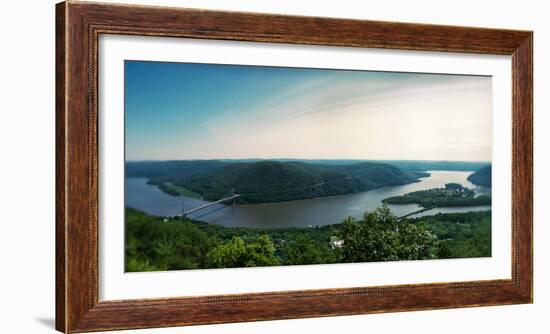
(380, 236)
(155, 243)
(237, 253)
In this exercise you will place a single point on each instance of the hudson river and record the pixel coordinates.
(302, 213)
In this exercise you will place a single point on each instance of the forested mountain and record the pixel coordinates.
(269, 181)
(481, 177)
(424, 165)
(178, 171)
(406, 165)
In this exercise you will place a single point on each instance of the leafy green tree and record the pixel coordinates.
(304, 250)
(170, 245)
(134, 264)
(380, 236)
(238, 253)
(443, 251)
(465, 234)
(415, 241)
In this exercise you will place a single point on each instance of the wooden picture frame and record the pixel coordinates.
(78, 26)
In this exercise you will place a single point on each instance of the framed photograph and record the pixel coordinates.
(223, 167)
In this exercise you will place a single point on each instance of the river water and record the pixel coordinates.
(302, 213)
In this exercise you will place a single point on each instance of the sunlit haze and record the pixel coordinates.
(200, 111)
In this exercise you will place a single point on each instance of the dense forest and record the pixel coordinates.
(156, 243)
(426, 165)
(461, 234)
(482, 177)
(267, 181)
(453, 194)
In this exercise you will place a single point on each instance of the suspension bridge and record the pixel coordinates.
(204, 206)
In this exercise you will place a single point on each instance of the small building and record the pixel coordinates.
(336, 243)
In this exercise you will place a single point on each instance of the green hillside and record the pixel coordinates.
(379, 174)
(269, 181)
(177, 171)
(482, 177)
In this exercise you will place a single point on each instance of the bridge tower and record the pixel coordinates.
(232, 193)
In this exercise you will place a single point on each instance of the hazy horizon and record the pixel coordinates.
(308, 159)
(180, 111)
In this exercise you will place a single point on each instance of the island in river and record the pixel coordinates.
(453, 194)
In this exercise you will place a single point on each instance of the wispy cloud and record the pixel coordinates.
(344, 114)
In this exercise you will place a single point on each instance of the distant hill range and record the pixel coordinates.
(482, 177)
(270, 181)
(406, 165)
(426, 165)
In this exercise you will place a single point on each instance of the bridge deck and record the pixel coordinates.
(211, 203)
(417, 212)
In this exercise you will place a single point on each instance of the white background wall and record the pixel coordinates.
(27, 165)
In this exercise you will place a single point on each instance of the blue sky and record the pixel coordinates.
(207, 111)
